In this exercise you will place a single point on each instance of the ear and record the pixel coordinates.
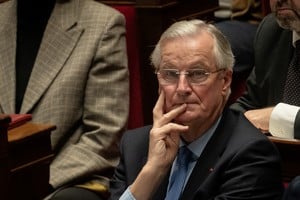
(227, 78)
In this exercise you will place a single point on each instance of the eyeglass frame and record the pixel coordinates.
(205, 74)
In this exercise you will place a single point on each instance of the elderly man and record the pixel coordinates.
(196, 148)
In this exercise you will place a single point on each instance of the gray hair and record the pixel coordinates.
(222, 49)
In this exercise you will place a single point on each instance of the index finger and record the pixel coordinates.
(158, 110)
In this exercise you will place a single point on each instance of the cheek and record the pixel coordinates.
(297, 6)
(204, 92)
(209, 95)
(272, 5)
(272, 2)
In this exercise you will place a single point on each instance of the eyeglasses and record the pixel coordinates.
(194, 76)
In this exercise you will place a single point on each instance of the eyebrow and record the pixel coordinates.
(195, 66)
(199, 66)
(168, 66)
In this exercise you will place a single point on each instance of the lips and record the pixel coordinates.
(179, 104)
(188, 104)
(283, 10)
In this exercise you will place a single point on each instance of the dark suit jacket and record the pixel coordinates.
(273, 52)
(238, 162)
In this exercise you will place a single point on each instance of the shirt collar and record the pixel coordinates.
(198, 145)
(296, 37)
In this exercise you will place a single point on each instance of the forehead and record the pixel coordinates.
(188, 50)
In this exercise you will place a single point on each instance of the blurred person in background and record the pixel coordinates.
(65, 63)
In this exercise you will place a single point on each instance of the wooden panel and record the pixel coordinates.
(159, 3)
(25, 156)
(118, 2)
(30, 155)
(4, 167)
(289, 150)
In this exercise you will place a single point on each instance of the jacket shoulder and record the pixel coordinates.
(138, 135)
(270, 32)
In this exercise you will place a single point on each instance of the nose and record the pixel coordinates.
(183, 85)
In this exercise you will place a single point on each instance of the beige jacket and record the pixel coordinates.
(79, 83)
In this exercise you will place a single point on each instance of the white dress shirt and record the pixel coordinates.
(283, 116)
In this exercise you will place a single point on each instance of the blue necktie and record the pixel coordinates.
(179, 174)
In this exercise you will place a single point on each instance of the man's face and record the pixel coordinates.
(287, 13)
(205, 99)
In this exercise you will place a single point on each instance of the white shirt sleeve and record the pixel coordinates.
(127, 195)
(282, 120)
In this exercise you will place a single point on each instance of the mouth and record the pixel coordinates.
(284, 9)
(287, 11)
(188, 104)
(179, 104)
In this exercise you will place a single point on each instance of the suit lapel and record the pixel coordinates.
(7, 56)
(278, 81)
(210, 155)
(60, 37)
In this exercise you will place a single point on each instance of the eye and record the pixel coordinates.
(171, 74)
(197, 73)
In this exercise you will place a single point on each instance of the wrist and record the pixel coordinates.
(147, 182)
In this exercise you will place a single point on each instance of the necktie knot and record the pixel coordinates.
(185, 156)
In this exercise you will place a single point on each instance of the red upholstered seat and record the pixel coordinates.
(135, 113)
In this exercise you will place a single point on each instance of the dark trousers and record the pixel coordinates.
(76, 193)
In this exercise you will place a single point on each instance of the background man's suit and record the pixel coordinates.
(79, 83)
(266, 81)
(233, 162)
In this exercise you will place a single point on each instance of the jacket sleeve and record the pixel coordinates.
(254, 172)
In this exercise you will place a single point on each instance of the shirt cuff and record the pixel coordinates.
(282, 120)
(127, 195)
